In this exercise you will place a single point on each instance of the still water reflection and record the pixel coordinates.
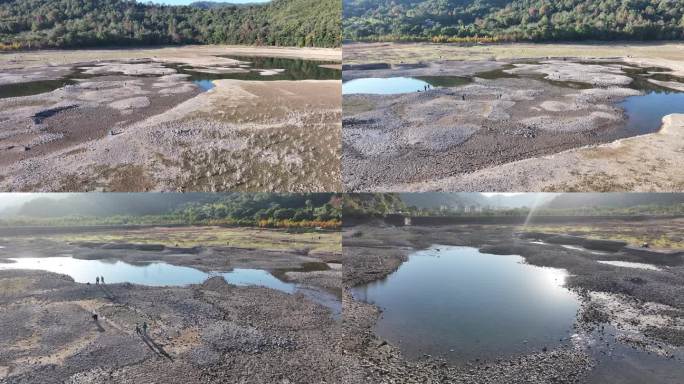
(462, 304)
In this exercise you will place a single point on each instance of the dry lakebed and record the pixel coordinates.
(521, 117)
(210, 118)
(221, 305)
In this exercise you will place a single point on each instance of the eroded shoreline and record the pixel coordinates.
(374, 251)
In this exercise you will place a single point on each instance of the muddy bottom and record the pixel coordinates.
(195, 334)
(86, 109)
(215, 305)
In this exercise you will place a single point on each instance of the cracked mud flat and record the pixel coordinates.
(212, 332)
(629, 326)
(130, 122)
(555, 113)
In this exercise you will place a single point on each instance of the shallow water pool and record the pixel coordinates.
(461, 304)
(264, 69)
(153, 274)
(645, 112)
(629, 264)
(161, 274)
(383, 86)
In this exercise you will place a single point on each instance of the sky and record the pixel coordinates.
(186, 2)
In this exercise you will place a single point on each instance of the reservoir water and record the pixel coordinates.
(461, 304)
(157, 274)
(258, 68)
(161, 274)
(644, 112)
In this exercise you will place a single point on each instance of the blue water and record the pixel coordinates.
(461, 304)
(645, 112)
(204, 85)
(153, 274)
(241, 276)
(383, 86)
(288, 69)
(160, 274)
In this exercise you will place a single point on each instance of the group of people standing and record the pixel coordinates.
(140, 330)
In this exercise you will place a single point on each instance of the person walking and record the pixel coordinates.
(144, 328)
(137, 328)
(102, 279)
(97, 280)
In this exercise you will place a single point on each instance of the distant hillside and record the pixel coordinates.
(512, 20)
(95, 23)
(371, 204)
(380, 204)
(307, 210)
(613, 200)
(109, 204)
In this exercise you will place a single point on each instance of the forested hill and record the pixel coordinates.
(88, 23)
(246, 209)
(512, 20)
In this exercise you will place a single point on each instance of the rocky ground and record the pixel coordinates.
(129, 121)
(628, 165)
(541, 120)
(207, 333)
(635, 314)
